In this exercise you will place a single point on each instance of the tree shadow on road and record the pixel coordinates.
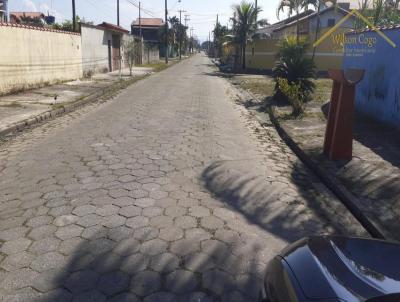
(135, 265)
(289, 212)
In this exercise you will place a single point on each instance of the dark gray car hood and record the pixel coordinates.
(350, 269)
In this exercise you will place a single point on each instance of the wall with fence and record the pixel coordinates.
(151, 53)
(95, 49)
(32, 56)
(378, 94)
(261, 54)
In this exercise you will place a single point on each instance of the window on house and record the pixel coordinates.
(331, 22)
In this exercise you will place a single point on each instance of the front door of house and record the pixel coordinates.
(116, 51)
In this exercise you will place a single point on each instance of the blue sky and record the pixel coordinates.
(202, 12)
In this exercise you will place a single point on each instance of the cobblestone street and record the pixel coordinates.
(169, 192)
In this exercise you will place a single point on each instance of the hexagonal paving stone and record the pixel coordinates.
(212, 222)
(100, 246)
(199, 211)
(218, 281)
(42, 232)
(120, 233)
(196, 297)
(124, 201)
(145, 283)
(113, 283)
(90, 296)
(17, 261)
(127, 247)
(114, 221)
(96, 231)
(125, 297)
(130, 211)
(134, 263)
(185, 222)
(20, 278)
(175, 211)
(89, 220)
(69, 231)
(181, 281)
(198, 262)
(65, 220)
(146, 233)
(161, 296)
(84, 210)
(161, 221)
(39, 220)
(144, 202)
(164, 263)
(171, 234)
(15, 246)
(152, 211)
(137, 222)
(44, 245)
(48, 261)
(184, 246)
(197, 234)
(154, 247)
(107, 210)
(81, 281)
(72, 245)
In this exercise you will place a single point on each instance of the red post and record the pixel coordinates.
(339, 130)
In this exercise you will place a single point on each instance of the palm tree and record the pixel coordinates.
(245, 25)
(294, 7)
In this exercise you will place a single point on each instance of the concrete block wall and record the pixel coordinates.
(34, 56)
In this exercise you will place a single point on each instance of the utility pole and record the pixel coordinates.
(140, 20)
(191, 39)
(209, 42)
(256, 6)
(118, 12)
(186, 20)
(166, 31)
(73, 16)
(140, 33)
(180, 33)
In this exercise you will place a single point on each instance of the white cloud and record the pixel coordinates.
(29, 6)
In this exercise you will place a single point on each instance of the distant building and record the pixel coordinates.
(102, 47)
(150, 28)
(3, 10)
(307, 22)
(35, 18)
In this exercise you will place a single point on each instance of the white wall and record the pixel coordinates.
(94, 49)
(31, 57)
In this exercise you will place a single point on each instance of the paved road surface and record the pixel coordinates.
(169, 192)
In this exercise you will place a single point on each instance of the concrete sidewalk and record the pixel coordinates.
(27, 105)
(372, 177)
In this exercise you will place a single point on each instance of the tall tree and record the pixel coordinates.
(220, 33)
(294, 7)
(245, 25)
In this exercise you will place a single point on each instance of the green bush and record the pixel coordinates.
(295, 67)
(293, 94)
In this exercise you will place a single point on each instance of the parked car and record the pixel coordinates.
(332, 269)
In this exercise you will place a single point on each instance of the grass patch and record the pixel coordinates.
(323, 89)
(12, 105)
(264, 87)
(158, 66)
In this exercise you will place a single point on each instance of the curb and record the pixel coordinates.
(107, 92)
(345, 196)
